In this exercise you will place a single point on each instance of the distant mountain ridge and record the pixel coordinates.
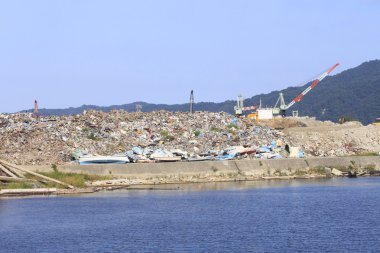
(353, 93)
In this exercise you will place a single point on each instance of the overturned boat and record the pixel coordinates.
(161, 155)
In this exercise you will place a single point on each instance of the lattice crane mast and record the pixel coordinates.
(281, 107)
(240, 108)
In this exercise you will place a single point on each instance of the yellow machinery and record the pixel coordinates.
(254, 116)
(377, 122)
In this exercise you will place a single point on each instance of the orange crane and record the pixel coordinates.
(281, 109)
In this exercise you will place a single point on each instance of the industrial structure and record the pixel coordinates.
(240, 109)
(280, 107)
(138, 107)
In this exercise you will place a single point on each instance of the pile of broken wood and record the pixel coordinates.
(13, 173)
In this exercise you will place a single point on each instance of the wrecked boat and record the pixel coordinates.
(199, 158)
(103, 160)
(168, 159)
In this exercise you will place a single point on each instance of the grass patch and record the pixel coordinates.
(318, 171)
(370, 168)
(300, 173)
(92, 136)
(367, 154)
(166, 136)
(74, 179)
(164, 133)
(232, 125)
(17, 185)
(215, 129)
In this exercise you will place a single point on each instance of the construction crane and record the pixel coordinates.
(239, 107)
(280, 106)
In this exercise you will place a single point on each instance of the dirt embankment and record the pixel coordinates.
(326, 138)
(329, 139)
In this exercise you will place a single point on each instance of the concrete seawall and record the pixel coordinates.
(178, 172)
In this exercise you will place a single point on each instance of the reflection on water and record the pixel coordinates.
(217, 186)
(231, 186)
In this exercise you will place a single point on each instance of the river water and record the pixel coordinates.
(335, 215)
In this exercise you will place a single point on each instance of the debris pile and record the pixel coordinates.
(329, 139)
(58, 139)
(173, 136)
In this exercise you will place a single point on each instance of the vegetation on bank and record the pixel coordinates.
(79, 180)
(74, 179)
(367, 154)
(17, 185)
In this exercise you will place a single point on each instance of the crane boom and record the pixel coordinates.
(315, 83)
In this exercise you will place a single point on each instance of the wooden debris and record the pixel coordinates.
(6, 171)
(13, 171)
(4, 163)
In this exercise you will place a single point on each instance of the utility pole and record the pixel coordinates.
(191, 101)
(138, 107)
(35, 112)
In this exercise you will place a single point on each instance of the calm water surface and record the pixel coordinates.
(336, 215)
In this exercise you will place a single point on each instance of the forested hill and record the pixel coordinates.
(353, 93)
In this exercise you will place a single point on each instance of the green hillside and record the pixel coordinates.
(353, 93)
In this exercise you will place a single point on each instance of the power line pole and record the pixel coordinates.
(191, 101)
(35, 112)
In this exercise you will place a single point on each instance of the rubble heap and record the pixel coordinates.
(351, 138)
(26, 140)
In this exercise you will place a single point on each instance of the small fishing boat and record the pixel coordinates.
(103, 160)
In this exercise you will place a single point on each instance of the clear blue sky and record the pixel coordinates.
(68, 53)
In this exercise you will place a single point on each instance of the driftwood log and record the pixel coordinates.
(6, 171)
(15, 172)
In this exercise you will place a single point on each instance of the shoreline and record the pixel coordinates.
(153, 187)
(132, 175)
